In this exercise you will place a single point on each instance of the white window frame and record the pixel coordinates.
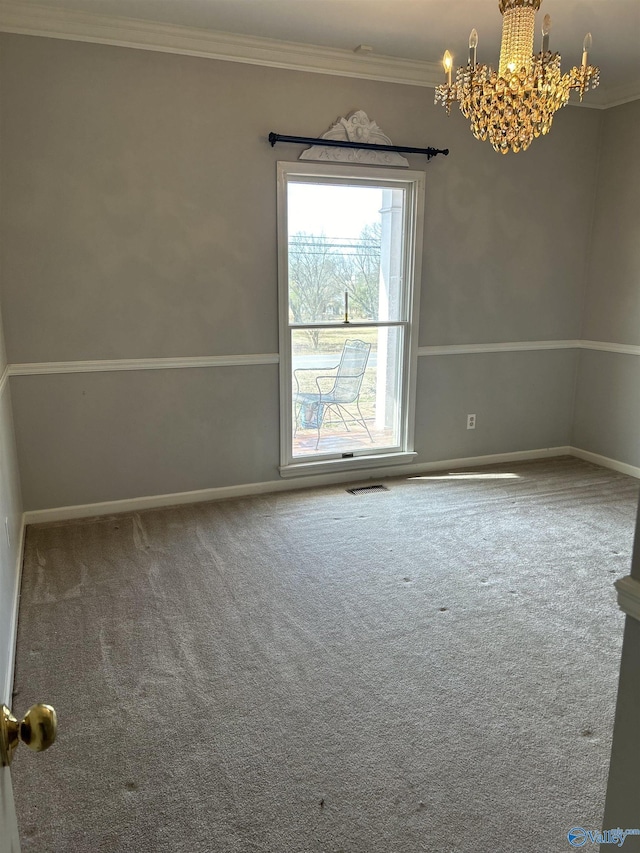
(413, 182)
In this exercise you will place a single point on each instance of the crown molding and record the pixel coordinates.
(623, 94)
(605, 97)
(49, 22)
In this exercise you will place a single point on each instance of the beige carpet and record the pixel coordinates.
(431, 668)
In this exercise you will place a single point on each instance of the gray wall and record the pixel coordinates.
(522, 401)
(607, 411)
(139, 221)
(111, 436)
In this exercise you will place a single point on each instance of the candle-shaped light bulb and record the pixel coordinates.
(546, 29)
(586, 47)
(473, 44)
(447, 63)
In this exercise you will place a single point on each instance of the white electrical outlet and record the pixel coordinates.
(6, 527)
(471, 421)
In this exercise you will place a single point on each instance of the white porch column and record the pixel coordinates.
(389, 304)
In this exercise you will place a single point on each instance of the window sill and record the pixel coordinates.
(327, 466)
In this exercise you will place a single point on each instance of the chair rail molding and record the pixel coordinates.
(109, 365)
(249, 360)
(604, 346)
(529, 346)
(507, 346)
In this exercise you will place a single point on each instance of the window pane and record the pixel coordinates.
(346, 390)
(345, 252)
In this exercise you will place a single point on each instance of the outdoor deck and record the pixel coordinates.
(334, 438)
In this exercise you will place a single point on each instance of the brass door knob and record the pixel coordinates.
(37, 730)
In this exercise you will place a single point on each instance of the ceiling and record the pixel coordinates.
(418, 30)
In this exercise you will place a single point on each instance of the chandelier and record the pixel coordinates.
(517, 103)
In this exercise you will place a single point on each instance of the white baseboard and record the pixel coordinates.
(65, 513)
(605, 462)
(7, 687)
(245, 489)
(629, 596)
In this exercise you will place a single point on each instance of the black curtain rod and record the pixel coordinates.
(337, 143)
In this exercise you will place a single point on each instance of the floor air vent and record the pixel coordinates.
(363, 490)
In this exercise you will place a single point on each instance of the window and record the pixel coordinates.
(350, 243)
